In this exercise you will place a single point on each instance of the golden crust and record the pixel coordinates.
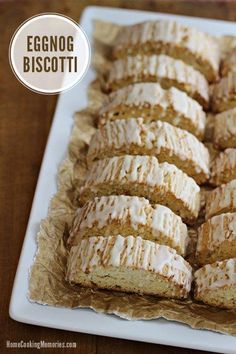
(151, 102)
(143, 176)
(177, 40)
(223, 168)
(162, 69)
(221, 199)
(217, 239)
(225, 129)
(223, 93)
(215, 284)
(128, 215)
(129, 264)
(166, 142)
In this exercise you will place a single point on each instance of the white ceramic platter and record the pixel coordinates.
(85, 320)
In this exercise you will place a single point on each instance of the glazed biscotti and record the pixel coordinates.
(229, 63)
(126, 215)
(215, 284)
(188, 44)
(129, 264)
(217, 239)
(223, 168)
(163, 69)
(166, 142)
(223, 93)
(144, 176)
(221, 199)
(151, 102)
(225, 129)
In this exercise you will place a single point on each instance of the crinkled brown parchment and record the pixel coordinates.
(47, 283)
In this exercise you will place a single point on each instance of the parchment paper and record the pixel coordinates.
(47, 283)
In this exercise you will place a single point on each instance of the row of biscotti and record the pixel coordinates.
(132, 264)
(153, 267)
(170, 72)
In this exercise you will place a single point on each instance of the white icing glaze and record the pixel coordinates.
(137, 212)
(144, 170)
(126, 134)
(221, 198)
(217, 230)
(226, 160)
(156, 68)
(216, 275)
(225, 126)
(172, 101)
(175, 36)
(129, 252)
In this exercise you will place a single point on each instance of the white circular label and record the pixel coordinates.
(49, 53)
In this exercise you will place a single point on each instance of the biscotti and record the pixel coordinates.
(229, 63)
(217, 239)
(126, 215)
(166, 142)
(162, 69)
(223, 168)
(215, 284)
(223, 93)
(144, 176)
(221, 199)
(129, 264)
(225, 129)
(175, 39)
(151, 102)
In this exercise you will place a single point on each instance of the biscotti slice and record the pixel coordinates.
(221, 199)
(194, 47)
(162, 69)
(151, 102)
(223, 93)
(126, 215)
(129, 264)
(225, 129)
(215, 284)
(229, 63)
(217, 239)
(223, 168)
(166, 142)
(144, 176)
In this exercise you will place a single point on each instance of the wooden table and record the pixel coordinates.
(25, 120)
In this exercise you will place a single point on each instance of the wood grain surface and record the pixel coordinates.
(25, 120)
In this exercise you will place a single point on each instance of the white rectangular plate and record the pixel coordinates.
(85, 320)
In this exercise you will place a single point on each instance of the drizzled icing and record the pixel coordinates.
(144, 170)
(225, 128)
(216, 230)
(158, 67)
(221, 198)
(172, 101)
(133, 211)
(126, 135)
(224, 91)
(216, 275)
(225, 161)
(171, 36)
(129, 252)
